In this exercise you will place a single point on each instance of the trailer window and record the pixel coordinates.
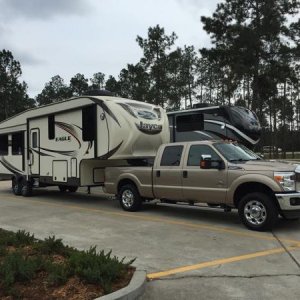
(34, 140)
(51, 127)
(17, 143)
(190, 122)
(171, 156)
(4, 144)
(89, 123)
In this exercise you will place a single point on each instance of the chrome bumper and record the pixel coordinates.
(289, 205)
(288, 201)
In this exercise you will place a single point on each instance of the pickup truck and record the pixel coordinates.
(218, 173)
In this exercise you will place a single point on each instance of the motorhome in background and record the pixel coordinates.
(214, 122)
(69, 143)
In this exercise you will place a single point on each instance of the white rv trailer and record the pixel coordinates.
(69, 143)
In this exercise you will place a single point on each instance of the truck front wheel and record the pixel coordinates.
(129, 198)
(258, 212)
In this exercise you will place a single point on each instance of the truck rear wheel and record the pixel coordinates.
(129, 198)
(258, 212)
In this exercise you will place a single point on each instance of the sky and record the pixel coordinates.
(66, 37)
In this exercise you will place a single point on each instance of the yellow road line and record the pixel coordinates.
(165, 220)
(216, 262)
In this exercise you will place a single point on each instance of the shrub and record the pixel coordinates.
(21, 264)
(6, 238)
(21, 238)
(3, 251)
(51, 245)
(57, 274)
(99, 268)
(16, 268)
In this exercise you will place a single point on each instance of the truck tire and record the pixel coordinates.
(258, 212)
(16, 187)
(129, 198)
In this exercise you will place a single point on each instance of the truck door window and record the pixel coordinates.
(171, 156)
(196, 152)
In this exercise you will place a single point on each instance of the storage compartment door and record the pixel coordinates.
(60, 170)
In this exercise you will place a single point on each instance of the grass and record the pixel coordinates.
(25, 259)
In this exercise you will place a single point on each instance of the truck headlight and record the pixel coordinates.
(286, 180)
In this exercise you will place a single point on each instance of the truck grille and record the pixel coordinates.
(298, 182)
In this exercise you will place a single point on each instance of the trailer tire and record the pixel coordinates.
(258, 212)
(62, 188)
(27, 189)
(72, 189)
(16, 186)
(129, 198)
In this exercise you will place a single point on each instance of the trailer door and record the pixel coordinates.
(35, 151)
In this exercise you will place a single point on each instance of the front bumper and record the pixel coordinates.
(289, 205)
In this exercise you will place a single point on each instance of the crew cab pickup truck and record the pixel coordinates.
(218, 173)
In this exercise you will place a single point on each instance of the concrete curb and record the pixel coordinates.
(132, 291)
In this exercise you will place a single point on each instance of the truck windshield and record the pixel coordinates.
(236, 152)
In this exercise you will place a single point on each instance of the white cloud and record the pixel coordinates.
(66, 37)
(41, 9)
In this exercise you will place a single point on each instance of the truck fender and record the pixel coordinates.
(260, 179)
(128, 178)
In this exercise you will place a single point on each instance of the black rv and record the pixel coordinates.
(214, 122)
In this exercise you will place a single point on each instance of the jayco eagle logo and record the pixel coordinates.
(63, 138)
(149, 128)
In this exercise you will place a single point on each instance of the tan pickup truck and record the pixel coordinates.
(214, 172)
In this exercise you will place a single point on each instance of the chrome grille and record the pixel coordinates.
(298, 182)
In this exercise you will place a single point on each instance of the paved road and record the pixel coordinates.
(188, 252)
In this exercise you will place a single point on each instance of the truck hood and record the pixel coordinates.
(264, 165)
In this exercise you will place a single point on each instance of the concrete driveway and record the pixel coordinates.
(188, 252)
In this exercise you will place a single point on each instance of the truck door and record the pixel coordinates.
(203, 185)
(167, 179)
(35, 151)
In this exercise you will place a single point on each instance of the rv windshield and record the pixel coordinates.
(235, 152)
(246, 120)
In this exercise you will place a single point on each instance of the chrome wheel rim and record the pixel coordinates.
(127, 198)
(255, 212)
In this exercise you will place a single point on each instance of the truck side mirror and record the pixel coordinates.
(205, 162)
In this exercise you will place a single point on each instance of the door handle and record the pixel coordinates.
(157, 173)
(185, 174)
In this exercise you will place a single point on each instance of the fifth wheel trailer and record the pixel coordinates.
(69, 143)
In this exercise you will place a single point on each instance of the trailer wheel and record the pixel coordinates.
(62, 188)
(27, 189)
(129, 198)
(16, 187)
(72, 189)
(258, 212)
